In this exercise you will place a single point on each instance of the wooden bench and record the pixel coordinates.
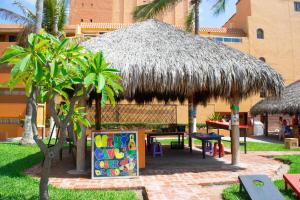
(294, 181)
(259, 187)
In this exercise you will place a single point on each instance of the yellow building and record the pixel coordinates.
(267, 29)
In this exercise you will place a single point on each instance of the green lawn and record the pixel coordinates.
(251, 146)
(232, 192)
(15, 185)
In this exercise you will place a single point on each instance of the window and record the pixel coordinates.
(91, 20)
(92, 5)
(262, 59)
(297, 6)
(12, 38)
(82, 4)
(81, 20)
(227, 39)
(260, 33)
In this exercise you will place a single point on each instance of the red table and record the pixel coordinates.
(221, 125)
(293, 181)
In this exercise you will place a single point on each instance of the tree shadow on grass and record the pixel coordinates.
(17, 167)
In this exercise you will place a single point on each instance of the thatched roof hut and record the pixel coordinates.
(288, 103)
(157, 60)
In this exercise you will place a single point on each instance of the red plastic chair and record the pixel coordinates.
(216, 149)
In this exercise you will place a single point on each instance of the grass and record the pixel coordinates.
(15, 185)
(232, 192)
(251, 146)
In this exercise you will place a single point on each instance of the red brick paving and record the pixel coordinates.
(200, 182)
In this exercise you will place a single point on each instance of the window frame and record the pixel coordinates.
(297, 6)
(260, 34)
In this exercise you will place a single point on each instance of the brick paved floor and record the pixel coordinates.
(177, 175)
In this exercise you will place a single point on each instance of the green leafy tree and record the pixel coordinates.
(49, 67)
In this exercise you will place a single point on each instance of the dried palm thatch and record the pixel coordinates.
(288, 103)
(157, 60)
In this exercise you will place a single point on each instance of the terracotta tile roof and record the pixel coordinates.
(222, 30)
(103, 25)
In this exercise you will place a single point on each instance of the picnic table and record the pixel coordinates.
(293, 181)
(225, 126)
(204, 138)
(180, 136)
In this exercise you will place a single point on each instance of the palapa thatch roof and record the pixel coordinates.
(158, 60)
(288, 103)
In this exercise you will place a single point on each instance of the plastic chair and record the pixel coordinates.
(216, 149)
(209, 147)
(157, 149)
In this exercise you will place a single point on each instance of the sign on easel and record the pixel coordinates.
(114, 154)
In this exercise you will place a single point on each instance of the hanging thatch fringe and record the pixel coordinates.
(288, 103)
(159, 60)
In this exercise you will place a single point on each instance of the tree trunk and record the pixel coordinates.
(39, 15)
(52, 128)
(98, 113)
(44, 195)
(80, 153)
(235, 131)
(192, 108)
(197, 23)
(55, 20)
(27, 137)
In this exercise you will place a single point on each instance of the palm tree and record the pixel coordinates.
(152, 9)
(50, 14)
(53, 16)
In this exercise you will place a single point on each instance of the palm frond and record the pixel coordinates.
(48, 14)
(219, 7)
(62, 15)
(12, 16)
(54, 9)
(190, 20)
(152, 9)
(26, 12)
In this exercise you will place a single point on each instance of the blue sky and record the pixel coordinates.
(207, 19)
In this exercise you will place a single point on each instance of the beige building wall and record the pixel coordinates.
(120, 11)
(280, 46)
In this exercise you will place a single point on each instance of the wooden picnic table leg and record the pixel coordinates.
(190, 143)
(148, 141)
(285, 185)
(245, 141)
(203, 149)
(219, 143)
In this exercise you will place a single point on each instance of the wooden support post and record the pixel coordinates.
(192, 112)
(266, 122)
(235, 131)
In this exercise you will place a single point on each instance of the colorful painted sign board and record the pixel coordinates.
(114, 154)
